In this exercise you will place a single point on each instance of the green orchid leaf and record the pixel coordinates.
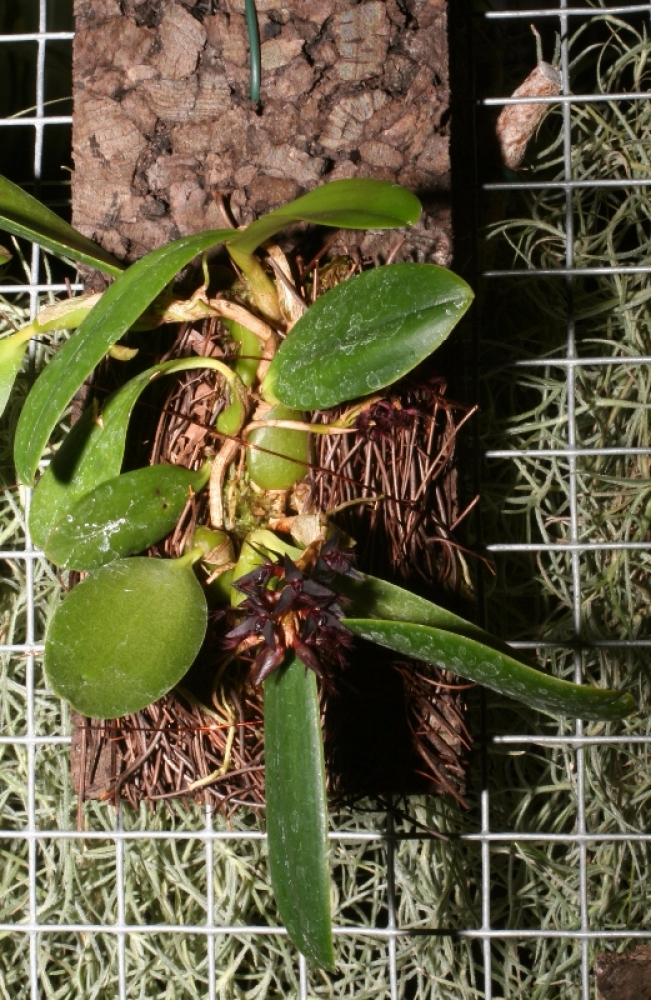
(494, 669)
(93, 450)
(126, 635)
(123, 516)
(374, 598)
(12, 352)
(365, 334)
(297, 810)
(116, 312)
(22, 215)
(345, 204)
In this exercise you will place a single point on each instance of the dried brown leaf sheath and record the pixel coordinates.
(518, 122)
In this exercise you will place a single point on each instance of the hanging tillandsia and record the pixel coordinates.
(268, 569)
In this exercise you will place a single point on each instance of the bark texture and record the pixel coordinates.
(163, 121)
(624, 977)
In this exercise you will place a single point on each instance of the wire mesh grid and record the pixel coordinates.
(466, 917)
(572, 357)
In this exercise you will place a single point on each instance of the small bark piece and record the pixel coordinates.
(518, 122)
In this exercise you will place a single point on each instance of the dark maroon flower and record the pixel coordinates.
(333, 559)
(298, 612)
(383, 417)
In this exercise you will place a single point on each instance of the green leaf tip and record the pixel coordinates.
(355, 203)
(12, 352)
(494, 669)
(22, 215)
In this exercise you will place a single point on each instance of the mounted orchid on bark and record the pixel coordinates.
(287, 586)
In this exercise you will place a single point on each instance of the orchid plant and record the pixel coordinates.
(129, 632)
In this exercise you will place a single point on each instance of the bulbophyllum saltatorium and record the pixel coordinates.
(131, 629)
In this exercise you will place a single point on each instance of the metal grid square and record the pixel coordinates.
(44, 848)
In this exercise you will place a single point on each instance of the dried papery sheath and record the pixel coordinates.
(518, 122)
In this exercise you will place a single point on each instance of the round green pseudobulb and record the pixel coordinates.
(126, 635)
(249, 353)
(216, 545)
(283, 463)
(230, 420)
(216, 552)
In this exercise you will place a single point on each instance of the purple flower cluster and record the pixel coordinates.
(290, 608)
(383, 417)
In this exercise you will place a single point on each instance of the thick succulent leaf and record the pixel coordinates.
(297, 811)
(12, 352)
(125, 635)
(118, 309)
(123, 516)
(374, 598)
(494, 669)
(365, 334)
(345, 204)
(93, 450)
(22, 215)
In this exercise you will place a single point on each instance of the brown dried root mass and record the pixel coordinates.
(390, 726)
(397, 485)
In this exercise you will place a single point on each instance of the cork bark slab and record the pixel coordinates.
(624, 977)
(162, 118)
